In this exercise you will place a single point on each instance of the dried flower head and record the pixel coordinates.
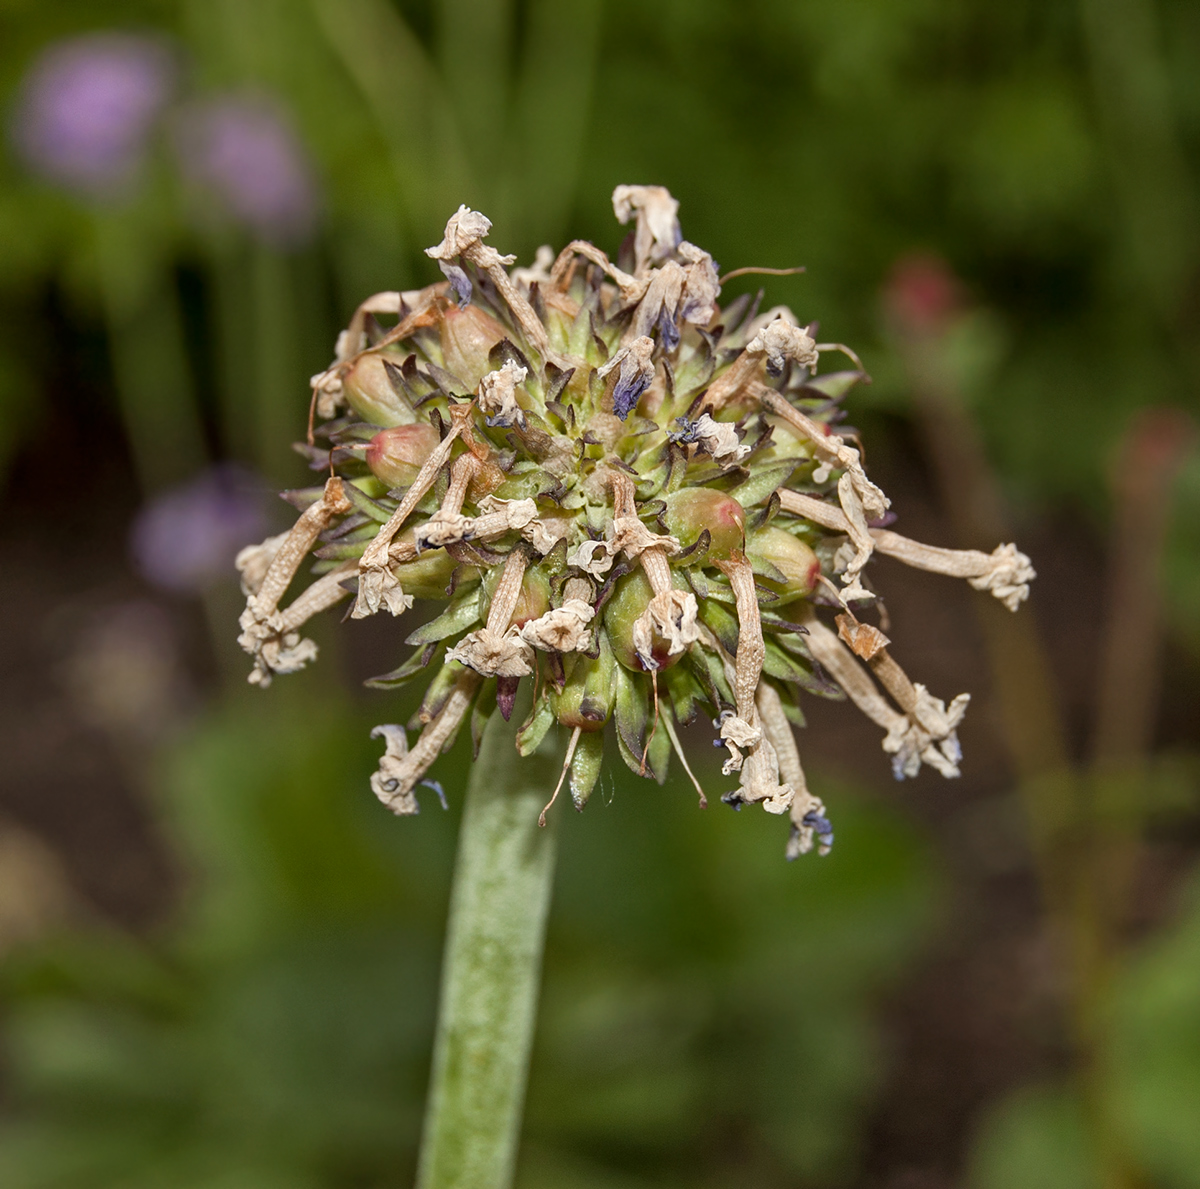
(626, 495)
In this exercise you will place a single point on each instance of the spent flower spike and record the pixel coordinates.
(624, 494)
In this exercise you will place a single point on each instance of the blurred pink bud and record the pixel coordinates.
(244, 150)
(87, 106)
(922, 295)
(185, 540)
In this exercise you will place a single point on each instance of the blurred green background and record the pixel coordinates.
(219, 955)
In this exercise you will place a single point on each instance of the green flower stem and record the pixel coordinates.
(492, 968)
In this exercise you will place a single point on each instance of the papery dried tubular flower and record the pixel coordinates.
(401, 770)
(639, 509)
(659, 308)
(253, 561)
(501, 516)
(742, 731)
(498, 394)
(1006, 572)
(657, 214)
(924, 733)
(719, 439)
(853, 679)
(860, 498)
(561, 629)
(807, 812)
(701, 286)
(448, 526)
(494, 654)
(464, 237)
(670, 616)
(270, 638)
(631, 537)
(930, 734)
(498, 650)
(296, 544)
(592, 557)
(631, 288)
(779, 342)
(377, 585)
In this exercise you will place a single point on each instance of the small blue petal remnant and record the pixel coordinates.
(459, 282)
(821, 826)
(437, 788)
(627, 393)
(687, 436)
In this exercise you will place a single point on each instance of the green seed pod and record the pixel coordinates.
(532, 602)
(396, 455)
(630, 599)
(690, 511)
(784, 563)
(371, 394)
(587, 697)
(585, 766)
(429, 576)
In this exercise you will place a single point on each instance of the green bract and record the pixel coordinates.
(622, 492)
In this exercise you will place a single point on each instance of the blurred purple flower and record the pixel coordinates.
(185, 539)
(245, 150)
(86, 108)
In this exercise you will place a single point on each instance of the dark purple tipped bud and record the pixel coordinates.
(506, 695)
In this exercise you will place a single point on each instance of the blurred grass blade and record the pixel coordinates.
(408, 103)
(562, 46)
(149, 357)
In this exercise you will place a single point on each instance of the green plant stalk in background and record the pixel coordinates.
(492, 969)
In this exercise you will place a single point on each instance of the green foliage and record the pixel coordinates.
(1037, 1138)
(278, 1033)
(1156, 1039)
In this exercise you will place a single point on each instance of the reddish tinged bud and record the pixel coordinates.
(691, 511)
(372, 395)
(587, 696)
(396, 455)
(922, 295)
(468, 335)
(783, 563)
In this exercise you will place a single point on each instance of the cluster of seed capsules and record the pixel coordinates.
(624, 494)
